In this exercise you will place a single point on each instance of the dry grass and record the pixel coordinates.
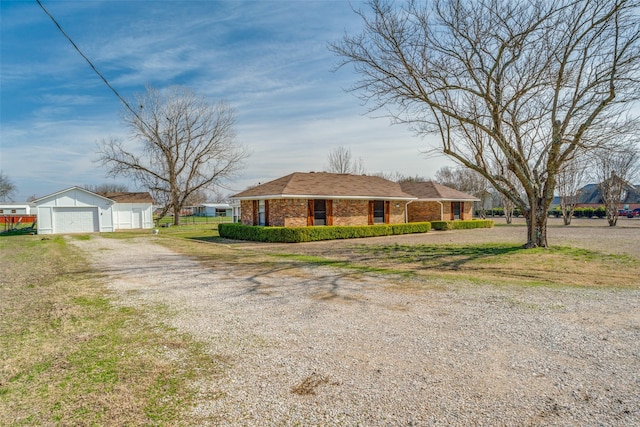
(71, 357)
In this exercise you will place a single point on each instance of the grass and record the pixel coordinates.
(70, 356)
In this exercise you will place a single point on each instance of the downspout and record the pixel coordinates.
(406, 212)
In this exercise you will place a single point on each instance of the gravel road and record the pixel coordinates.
(329, 347)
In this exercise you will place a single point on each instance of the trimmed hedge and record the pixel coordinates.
(462, 225)
(309, 234)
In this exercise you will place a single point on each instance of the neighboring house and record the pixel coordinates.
(213, 209)
(590, 197)
(436, 202)
(15, 209)
(76, 210)
(321, 198)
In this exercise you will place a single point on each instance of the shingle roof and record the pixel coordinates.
(127, 197)
(429, 190)
(327, 185)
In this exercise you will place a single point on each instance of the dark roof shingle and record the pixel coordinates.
(330, 185)
(127, 197)
(429, 190)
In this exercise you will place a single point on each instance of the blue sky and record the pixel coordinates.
(268, 59)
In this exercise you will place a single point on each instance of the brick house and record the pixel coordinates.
(436, 202)
(321, 198)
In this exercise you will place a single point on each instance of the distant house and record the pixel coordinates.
(76, 210)
(590, 196)
(15, 208)
(321, 198)
(436, 202)
(213, 210)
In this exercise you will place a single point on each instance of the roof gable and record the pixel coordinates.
(429, 190)
(327, 185)
(69, 190)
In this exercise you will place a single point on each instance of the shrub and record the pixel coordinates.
(310, 234)
(461, 225)
(600, 212)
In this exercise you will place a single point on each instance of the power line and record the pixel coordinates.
(91, 64)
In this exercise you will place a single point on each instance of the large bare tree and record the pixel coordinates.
(186, 145)
(509, 86)
(342, 161)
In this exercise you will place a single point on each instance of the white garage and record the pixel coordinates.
(76, 210)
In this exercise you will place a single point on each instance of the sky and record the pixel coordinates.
(268, 59)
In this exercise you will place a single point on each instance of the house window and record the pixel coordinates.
(378, 212)
(261, 212)
(1, 210)
(13, 211)
(456, 209)
(319, 212)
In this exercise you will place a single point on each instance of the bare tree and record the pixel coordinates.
(186, 146)
(509, 86)
(341, 161)
(569, 184)
(107, 188)
(7, 187)
(614, 169)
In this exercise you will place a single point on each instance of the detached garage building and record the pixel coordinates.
(76, 210)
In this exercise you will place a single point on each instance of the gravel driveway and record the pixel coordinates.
(329, 347)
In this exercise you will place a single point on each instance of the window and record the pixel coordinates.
(261, 212)
(378, 212)
(319, 212)
(455, 210)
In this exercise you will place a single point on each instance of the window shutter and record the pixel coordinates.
(370, 217)
(329, 208)
(310, 212)
(266, 212)
(387, 206)
(255, 212)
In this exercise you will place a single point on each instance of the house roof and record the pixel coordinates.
(313, 185)
(127, 197)
(429, 190)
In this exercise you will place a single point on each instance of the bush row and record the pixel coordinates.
(310, 234)
(462, 225)
(599, 212)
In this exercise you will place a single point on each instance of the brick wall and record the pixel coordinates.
(426, 211)
(288, 212)
(350, 212)
(293, 212)
(246, 212)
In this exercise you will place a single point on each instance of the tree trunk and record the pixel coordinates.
(536, 218)
(567, 214)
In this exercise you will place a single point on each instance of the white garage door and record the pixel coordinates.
(76, 220)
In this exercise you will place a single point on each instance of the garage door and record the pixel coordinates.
(75, 220)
